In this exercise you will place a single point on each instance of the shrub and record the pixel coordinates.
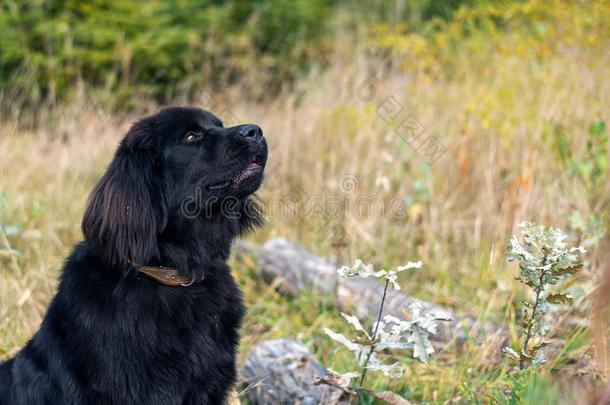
(154, 48)
(545, 261)
(387, 333)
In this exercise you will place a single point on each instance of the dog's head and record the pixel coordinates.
(180, 164)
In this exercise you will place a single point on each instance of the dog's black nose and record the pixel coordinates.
(251, 131)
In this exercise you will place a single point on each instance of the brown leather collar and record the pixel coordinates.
(166, 276)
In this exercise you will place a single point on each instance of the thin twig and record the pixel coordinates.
(388, 397)
(368, 357)
(332, 383)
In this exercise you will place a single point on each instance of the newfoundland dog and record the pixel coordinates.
(147, 311)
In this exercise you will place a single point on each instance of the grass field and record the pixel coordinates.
(524, 129)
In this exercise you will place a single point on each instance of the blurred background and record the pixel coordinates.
(434, 127)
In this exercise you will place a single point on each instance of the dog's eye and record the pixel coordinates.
(192, 137)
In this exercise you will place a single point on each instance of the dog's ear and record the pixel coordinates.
(126, 210)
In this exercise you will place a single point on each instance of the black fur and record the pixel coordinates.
(176, 195)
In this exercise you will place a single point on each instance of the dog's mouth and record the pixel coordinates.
(254, 168)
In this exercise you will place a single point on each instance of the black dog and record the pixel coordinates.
(147, 311)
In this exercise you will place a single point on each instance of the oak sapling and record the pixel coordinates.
(387, 333)
(545, 260)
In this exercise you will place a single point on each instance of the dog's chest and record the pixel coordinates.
(181, 342)
(204, 331)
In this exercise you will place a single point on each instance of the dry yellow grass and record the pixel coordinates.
(499, 123)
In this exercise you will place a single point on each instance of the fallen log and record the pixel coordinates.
(295, 269)
(284, 372)
(363, 299)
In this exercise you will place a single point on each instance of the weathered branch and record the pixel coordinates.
(298, 269)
